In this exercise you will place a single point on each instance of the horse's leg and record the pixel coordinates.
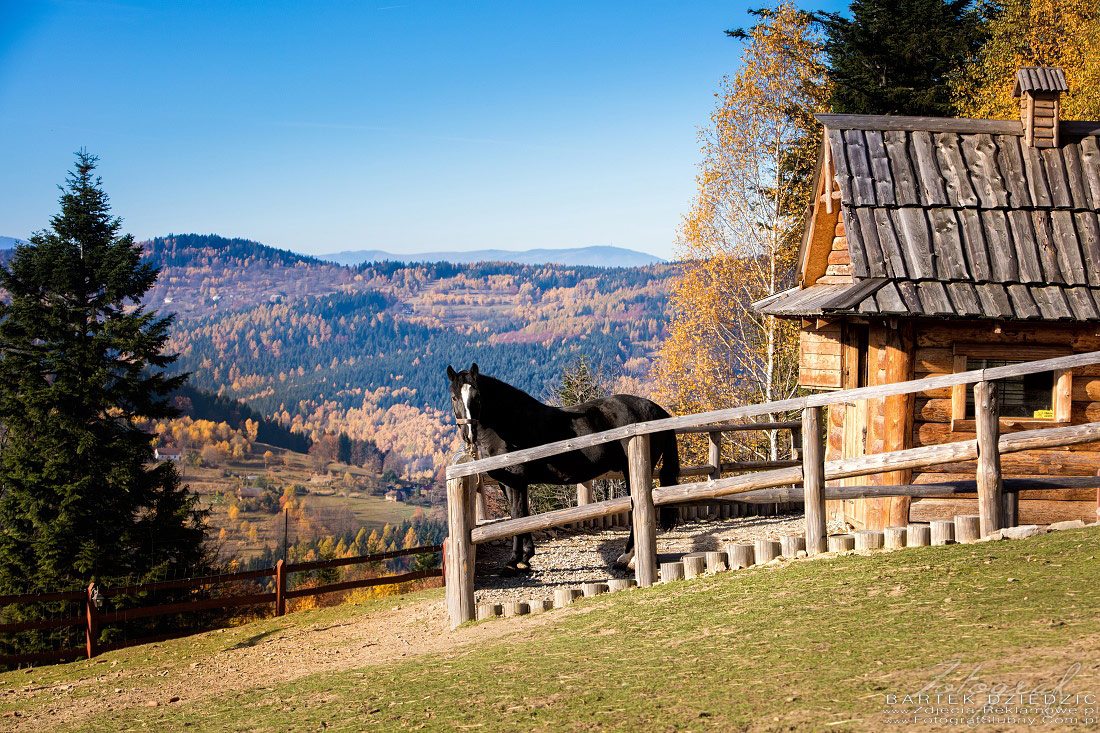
(527, 541)
(518, 563)
(668, 476)
(624, 560)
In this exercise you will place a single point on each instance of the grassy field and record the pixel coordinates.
(814, 645)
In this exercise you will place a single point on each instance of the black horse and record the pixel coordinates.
(498, 418)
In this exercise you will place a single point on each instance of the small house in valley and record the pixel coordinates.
(249, 492)
(939, 245)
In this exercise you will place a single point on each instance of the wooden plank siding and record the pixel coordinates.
(820, 358)
(929, 419)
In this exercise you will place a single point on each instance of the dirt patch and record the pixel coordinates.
(250, 662)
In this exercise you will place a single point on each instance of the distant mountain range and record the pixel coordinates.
(318, 347)
(10, 242)
(596, 256)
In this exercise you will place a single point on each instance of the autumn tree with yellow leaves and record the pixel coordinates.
(1064, 33)
(739, 242)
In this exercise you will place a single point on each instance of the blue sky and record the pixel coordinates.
(401, 125)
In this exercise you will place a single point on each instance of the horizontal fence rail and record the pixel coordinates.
(798, 403)
(946, 488)
(92, 618)
(997, 502)
(839, 469)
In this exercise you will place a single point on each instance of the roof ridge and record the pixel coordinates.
(946, 124)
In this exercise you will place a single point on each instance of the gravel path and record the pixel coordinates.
(564, 559)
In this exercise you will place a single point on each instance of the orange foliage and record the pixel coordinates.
(739, 242)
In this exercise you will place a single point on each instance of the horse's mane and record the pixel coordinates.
(498, 392)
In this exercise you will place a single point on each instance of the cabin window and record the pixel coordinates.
(1044, 397)
(1029, 395)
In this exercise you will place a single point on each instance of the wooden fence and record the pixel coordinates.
(714, 468)
(92, 599)
(997, 507)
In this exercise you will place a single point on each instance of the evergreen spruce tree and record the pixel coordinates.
(81, 362)
(343, 449)
(897, 56)
(580, 382)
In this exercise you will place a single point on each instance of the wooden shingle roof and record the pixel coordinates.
(1042, 79)
(953, 217)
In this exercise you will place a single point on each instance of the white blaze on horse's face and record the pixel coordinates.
(465, 394)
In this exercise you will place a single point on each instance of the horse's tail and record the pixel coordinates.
(669, 475)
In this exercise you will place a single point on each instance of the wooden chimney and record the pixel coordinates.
(1040, 89)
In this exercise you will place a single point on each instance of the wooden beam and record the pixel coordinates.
(897, 346)
(813, 480)
(714, 453)
(944, 124)
(958, 392)
(642, 510)
(989, 458)
(460, 555)
(1012, 487)
(1063, 395)
(741, 427)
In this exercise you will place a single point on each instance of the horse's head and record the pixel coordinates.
(466, 401)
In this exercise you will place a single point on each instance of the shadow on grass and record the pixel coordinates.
(254, 639)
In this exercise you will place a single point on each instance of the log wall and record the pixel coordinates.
(858, 429)
(838, 269)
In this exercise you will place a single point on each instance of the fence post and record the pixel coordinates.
(990, 486)
(813, 480)
(459, 568)
(584, 496)
(796, 444)
(714, 454)
(92, 631)
(280, 588)
(642, 510)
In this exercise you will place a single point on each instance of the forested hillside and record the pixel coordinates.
(322, 348)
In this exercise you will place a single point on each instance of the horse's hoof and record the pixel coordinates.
(509, 571)
(623, 562)
(523, 567)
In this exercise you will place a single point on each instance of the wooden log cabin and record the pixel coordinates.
(939, 245)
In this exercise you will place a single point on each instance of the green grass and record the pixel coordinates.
(815, 645)
(372, 512)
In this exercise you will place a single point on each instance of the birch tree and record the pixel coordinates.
(739, 241)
